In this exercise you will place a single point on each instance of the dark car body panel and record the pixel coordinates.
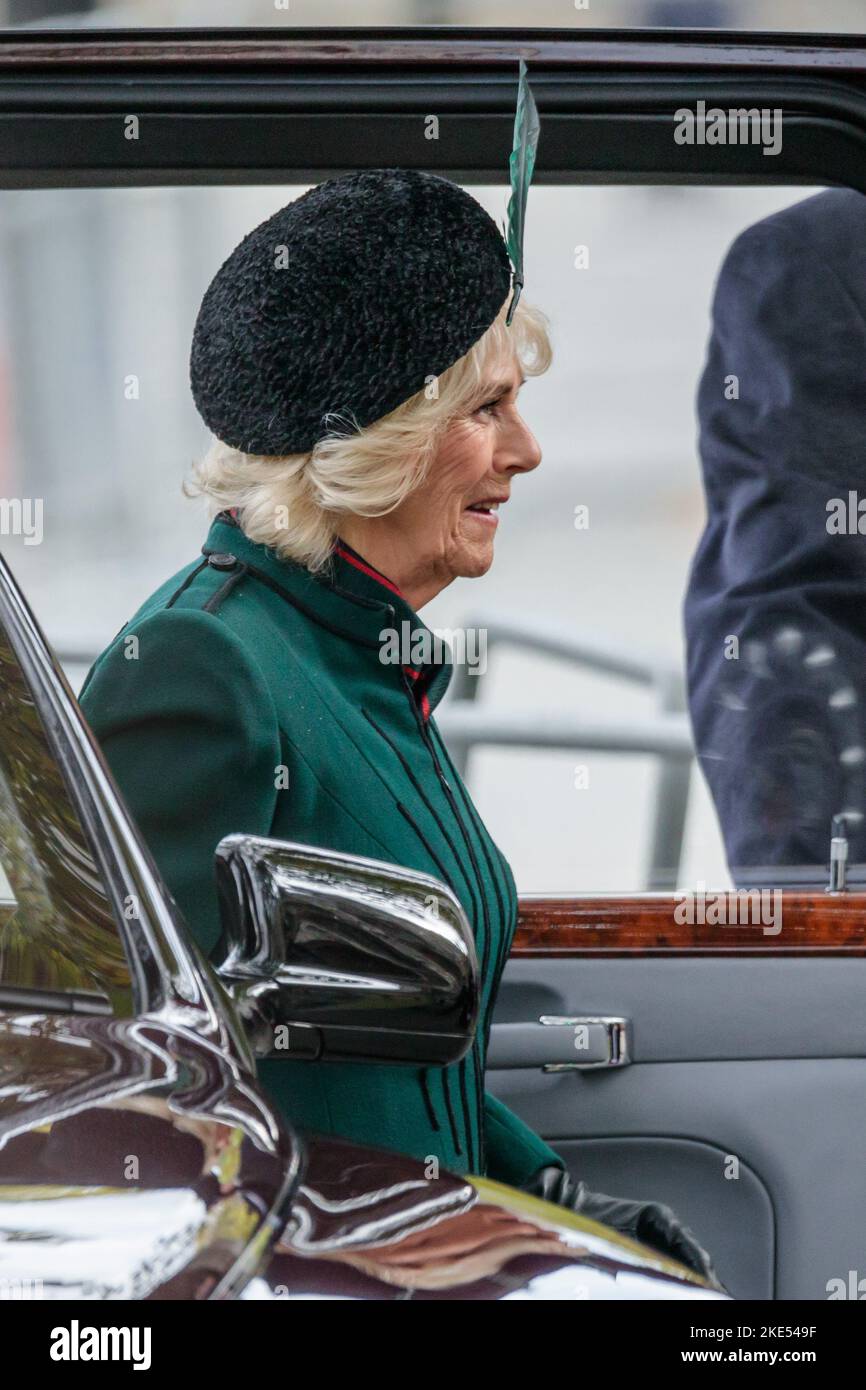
(136, 1162)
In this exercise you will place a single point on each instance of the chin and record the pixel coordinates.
(473, 562)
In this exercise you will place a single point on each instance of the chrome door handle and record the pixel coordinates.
(601, 1041)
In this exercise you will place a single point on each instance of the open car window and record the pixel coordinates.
(60, 946)
(568, 714)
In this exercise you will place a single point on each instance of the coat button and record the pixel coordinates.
(222, 560)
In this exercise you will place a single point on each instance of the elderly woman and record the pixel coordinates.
(353, 360)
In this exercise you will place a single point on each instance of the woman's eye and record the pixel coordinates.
(488, 405)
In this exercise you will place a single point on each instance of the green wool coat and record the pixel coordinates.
(246, 695)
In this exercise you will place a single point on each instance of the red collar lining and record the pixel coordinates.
(424, 702)
(353, 559)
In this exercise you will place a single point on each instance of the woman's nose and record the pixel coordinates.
(519, 450)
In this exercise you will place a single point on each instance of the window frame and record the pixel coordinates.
(257, 107)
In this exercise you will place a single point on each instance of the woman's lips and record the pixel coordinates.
(486, 514)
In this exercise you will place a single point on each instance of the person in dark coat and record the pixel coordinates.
(775, 610)
(355, 361)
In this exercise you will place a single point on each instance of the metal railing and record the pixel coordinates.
(665, 734)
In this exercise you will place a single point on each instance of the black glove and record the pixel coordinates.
(651, 1223)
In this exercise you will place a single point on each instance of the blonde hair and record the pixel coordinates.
(294, 503)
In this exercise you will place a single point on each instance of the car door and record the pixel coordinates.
(720, 1069)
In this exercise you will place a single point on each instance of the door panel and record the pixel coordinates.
(685, 1010)
(743, 1102)
(680, 1172)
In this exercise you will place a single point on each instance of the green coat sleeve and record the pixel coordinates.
(514, 1151)
(188, 727)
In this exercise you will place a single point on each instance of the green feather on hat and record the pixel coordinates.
(522, 164)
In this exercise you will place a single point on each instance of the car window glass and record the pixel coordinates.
(57, 932)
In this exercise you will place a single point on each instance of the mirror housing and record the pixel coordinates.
(333, 957)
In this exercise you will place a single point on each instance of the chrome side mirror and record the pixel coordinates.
(334, 957)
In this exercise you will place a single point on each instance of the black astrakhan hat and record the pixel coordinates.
(345, 301)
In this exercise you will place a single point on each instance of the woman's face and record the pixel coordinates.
(446, 528)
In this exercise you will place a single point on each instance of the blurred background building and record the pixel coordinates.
(830, 15)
